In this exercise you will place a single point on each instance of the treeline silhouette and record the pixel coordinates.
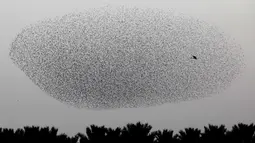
(132, 133)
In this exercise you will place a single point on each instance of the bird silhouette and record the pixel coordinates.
(194, 57)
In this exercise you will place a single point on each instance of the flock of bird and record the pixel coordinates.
(119, 57)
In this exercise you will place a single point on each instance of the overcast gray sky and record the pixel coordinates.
(23, 103)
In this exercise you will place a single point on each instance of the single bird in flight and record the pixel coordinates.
(194, 57)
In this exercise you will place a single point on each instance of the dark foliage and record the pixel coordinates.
(165, 136)
(214, 134)
(137, 133)
(189, 135)
(131, 133)
(242, 133)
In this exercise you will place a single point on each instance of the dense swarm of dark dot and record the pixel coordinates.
(126, 57)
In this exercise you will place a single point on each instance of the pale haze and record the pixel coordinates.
(23, 103)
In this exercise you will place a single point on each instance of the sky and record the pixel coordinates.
(23, 103)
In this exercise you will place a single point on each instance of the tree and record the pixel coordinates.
(48, 134)
(19, 135)
(132, 133)
(213, 134)
(241, 133)
(82, 138)
(189, 135)
(7, 135)
(137, 133)
(31, 134)
(113, 135)
(96, 134)
(63, 138)
(165, 136)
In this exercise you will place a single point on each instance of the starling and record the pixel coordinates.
(194, 57)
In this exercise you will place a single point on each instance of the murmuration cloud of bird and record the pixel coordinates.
(126, 57)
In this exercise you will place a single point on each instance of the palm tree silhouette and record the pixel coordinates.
(31, 134)
(63, 138)
(213, 134)
(241, 133)
(7, 135)
(113, 135)
(82, 138)
(165, 136)
(96, 134)
(132, 133)
(19, 135)
(48, 135)
(45, 134)
(137, 133)
(189, 135)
